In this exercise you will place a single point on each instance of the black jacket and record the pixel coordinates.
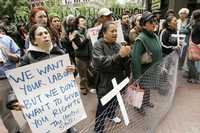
(108, 64)
(196, 33)
(125, 30)
(35, 56)
(84, 45)
(168, 42)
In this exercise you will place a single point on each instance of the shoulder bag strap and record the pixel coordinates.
(147, 50)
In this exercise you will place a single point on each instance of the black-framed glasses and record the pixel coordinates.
(153, 21)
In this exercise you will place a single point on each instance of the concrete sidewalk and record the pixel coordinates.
(184, 116)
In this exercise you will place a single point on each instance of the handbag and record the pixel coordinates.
(146, 57)
(135, 95)
(193, 51)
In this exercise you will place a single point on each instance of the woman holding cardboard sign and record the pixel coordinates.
(40, 49)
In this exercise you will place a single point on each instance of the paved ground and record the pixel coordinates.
(184, 116)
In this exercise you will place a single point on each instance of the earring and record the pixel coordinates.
(35, 44)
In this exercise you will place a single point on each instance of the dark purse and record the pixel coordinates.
(146, 57)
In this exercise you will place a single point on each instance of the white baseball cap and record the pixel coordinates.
(104, 12)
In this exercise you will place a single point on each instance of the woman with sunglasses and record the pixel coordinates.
(147, 41)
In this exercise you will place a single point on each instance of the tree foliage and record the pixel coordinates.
(20, 9)
(13, 8)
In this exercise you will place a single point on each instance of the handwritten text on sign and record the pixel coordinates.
(49, 95)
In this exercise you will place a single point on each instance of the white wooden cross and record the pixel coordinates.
(116, 92)
(179, 36)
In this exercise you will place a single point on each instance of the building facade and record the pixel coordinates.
(176, 5)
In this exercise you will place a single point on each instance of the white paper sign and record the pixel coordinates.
(49, 94)
(94, 32)
(120, 35)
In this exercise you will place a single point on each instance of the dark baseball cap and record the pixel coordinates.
(146, 16)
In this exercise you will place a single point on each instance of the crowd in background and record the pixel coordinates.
(146, 35)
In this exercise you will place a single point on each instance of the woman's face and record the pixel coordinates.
(183, 15)
(137, 21)
(42, 37)
(150, 25)
(56, 23)
(173, 23)
(82, 23)
(111, 34)
(41, 18)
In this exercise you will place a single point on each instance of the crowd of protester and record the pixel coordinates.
(48, 35)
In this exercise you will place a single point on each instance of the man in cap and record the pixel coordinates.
(125, 26)
(104, 15)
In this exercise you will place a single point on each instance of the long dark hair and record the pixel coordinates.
(56, 32)
(195, 22)
(168, 20)
(76, 21)
(196, 16)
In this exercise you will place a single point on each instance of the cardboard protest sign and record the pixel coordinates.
(94, 32)
(120, 35)
(49, 94)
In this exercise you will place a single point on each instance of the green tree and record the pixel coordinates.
(22, 10)
(13, 8)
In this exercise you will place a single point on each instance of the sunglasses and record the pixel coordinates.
(153, 21)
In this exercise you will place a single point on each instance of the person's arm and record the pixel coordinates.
(136, 54)
(102, 61)
(164, 39)
(106, 62)
(14, 53)
(13, 57)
